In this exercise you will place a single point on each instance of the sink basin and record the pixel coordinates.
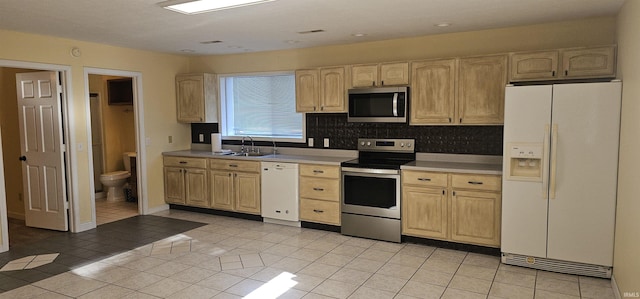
(249, 154)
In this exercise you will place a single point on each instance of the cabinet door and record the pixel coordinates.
(587, 63)
(481, 87)
(332, 90)
(190, 98)
(306, 90)
(433, 92)
(475, 217)
(532, 66)
(364, 75)
(196, 187)
(424, 212)
(247, 192)
(221, 190)
(394, 73)
(174, 185)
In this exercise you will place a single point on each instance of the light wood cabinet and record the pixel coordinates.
(321, 90)
(235, 185)
(197, 98)
(319, 193)
(382, 74)
(481, 87)
(185, 181)
(433, 91)
(463, 208)
(562, 64)
(465, 91)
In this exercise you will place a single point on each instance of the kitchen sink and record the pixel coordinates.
(249, 154)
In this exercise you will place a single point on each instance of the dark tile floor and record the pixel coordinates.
(78, 249)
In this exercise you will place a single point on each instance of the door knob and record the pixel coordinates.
(23, 158)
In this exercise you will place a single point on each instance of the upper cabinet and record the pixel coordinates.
(197, 98)
(481, 86)
(382, 74)
(458, 91)
(572, 63)
(321, 90)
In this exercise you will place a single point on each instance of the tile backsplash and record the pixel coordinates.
(477, 140)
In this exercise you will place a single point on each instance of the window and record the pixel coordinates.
(260, 105)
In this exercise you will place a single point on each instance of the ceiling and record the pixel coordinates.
(142, 24)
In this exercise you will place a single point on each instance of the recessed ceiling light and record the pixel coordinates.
(311, 31)
(211, 42)
(191, 7)
(442, 25)
(359, 34)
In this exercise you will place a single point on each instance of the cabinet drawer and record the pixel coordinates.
(320, 171)
(234, 165)
(319, 188)
(185, 162)
(320, 211)
(476, 182)
(424, 178)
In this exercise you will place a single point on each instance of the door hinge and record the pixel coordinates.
(63, 148)
(66, 205)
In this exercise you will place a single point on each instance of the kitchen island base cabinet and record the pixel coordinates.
(185, 181)
(235, 185)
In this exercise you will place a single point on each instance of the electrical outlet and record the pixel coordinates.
(310, 142)
(170, 139)
(326, 142)
(201, 137)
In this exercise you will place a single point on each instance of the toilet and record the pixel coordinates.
(116, 180)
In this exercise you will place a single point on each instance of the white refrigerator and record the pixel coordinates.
(560, 176)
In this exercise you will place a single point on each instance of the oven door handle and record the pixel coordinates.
(369, 170)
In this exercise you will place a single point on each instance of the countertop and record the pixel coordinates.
(476, 164)
(425, 161)
(284, 158)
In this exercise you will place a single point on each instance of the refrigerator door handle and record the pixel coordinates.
(554, 157)
(545, 162)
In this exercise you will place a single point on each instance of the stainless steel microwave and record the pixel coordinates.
(381, 104)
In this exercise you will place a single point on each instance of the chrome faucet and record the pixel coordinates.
(275, 149)
(242, 149)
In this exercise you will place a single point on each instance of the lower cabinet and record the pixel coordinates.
(235, 190)
(319, 193)
(452, 207)
(186, 181)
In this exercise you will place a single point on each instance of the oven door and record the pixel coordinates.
(371, 192)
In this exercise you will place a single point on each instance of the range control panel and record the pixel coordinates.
(386, 145)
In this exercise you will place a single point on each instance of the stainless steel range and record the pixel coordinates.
(371, 188)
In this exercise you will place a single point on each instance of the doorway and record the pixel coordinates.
(113, 146)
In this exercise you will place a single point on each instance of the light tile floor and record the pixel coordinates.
(288, 262)
(110, 211)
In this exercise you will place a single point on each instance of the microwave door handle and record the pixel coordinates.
(395, 104)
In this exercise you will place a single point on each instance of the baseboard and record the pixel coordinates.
(15, 215)
(157, 209)
(614, 286)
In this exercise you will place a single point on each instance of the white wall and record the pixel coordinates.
(626, 264)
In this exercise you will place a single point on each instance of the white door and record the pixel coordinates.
(96, 140)
(582, 212)
(43, 172)
(524, 204)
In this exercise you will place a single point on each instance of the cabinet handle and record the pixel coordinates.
(443, 192)
(475, 183)
(314, 108)
(449, 119)
(382, 83)
(183, 162)
(461, 120)
(373, 83)
(233, 165)
(318, 189)
(318, 171)
(424, 179)
(229, 174)
(235, 175)
(566, 72)
(453, 193)
(318, 211)
(553, 73)
(321, 108)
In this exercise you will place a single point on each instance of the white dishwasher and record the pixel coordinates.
(280, 202)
